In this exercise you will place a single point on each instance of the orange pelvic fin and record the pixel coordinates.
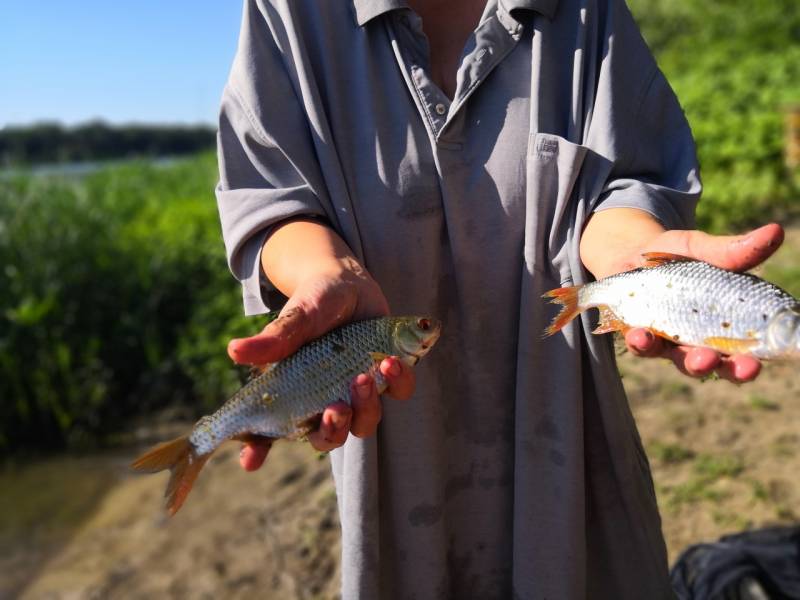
(654, 259)
(609, 322)
(568, 298)
(184, 464)
(730, 345)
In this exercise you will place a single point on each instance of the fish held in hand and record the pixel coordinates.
(690, 302)
(287, 398)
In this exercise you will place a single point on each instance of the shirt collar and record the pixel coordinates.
(366, 10)
(545, 7)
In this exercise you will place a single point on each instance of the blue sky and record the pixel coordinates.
(154, 61)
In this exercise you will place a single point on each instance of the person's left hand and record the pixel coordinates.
(734, 253)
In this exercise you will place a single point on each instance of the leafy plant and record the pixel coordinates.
(116, 301)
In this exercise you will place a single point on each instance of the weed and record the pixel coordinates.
(669, 454)
(761, 403)
(715, 467)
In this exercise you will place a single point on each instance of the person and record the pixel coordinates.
(459, 159)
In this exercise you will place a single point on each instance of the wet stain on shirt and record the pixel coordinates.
(556, 457)
(425, 515)
(546, 428)
(459, 483)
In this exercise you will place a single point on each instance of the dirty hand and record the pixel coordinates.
(337, 294)
(614, 241)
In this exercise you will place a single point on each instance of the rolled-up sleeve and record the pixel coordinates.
(655, 167)
(266, 157)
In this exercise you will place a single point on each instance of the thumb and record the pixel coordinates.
(731, 252)
(279, 339)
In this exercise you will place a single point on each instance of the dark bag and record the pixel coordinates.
(754, 565)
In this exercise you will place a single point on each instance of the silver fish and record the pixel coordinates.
(693, 303)
(285, 401)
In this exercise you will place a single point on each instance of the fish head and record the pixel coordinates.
(783, 333)
(415, 336)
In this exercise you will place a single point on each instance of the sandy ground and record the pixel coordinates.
(724, 457)
(270, 535)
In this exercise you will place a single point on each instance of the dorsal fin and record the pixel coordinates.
(258, 370)
(655, 259)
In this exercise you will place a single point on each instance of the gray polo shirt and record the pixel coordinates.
(516, 470)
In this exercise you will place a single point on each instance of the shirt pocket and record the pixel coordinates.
(563, 181)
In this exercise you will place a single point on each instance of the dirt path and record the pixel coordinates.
(238, 535)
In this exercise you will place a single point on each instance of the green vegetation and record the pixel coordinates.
(761, 403)
(669, 454)
(53, 143)
(735, 67)
(707, 470)
(116, 301)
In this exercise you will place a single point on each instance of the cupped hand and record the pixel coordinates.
(734, 253)
(330, 298)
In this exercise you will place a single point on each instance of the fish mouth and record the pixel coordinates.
(422, 345)
(426, 346)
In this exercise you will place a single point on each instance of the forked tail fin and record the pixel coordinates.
(568, 298)
(183, 462)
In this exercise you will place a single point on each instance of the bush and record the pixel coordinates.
(116, 301)
(735, 66)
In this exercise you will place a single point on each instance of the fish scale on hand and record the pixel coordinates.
(691, 302)
(285, 400)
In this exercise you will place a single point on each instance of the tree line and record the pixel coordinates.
(46, 142)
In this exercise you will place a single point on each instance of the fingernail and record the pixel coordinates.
(394, 368)
(338, 421)
(241, 451)
(363, 391)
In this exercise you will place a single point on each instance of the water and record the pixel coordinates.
(83, 168)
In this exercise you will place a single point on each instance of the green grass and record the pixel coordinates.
(707, 471)
(761, 403)
(669, 454)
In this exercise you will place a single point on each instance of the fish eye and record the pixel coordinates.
(424, 324)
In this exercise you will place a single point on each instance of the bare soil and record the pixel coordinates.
(724, 457)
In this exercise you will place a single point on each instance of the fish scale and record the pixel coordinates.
(283, 400)
(691, 302)
(299, 387)
(693, 298)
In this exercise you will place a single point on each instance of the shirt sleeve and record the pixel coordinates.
(266, 156)
(639, 117)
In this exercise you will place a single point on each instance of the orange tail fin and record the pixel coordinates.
(568, 298)
(183, 462)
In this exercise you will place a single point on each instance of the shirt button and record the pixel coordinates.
(440, 109)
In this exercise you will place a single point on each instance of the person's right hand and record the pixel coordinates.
(338, 293)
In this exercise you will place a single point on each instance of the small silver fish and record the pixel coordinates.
(285, 401)
(690, 302)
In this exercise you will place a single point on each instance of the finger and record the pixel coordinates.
(732, 252)
(366, 406)
(399, 378)
(279, 339)
(752, 249)
(643, 342)
(740, 368)
(695, 362)
(333, 427)
(253, 454)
